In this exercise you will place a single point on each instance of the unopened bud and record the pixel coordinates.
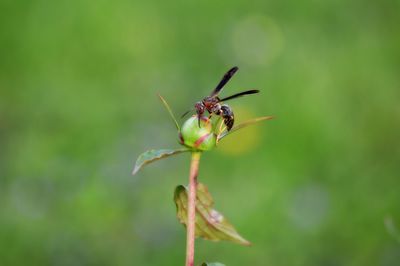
(199, 138)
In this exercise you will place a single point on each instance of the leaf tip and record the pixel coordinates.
(247, 243)
(166, 105)
(135, 170)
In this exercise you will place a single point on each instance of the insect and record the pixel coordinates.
(213, 104)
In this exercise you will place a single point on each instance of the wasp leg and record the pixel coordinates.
(218, 112)
(199, 106)
(228, 116)
(222, 127)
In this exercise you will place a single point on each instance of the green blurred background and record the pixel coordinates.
(319, 185)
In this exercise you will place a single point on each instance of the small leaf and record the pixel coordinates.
(166, 105)
(243, 125)
(212, 264)
(154, 155)
(210, 224)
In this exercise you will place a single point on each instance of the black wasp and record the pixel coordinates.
(213, 104)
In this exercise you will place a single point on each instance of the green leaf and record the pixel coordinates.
(166, 105)
(212, 264)
(210, 224)
(243, 125)
(154, 155)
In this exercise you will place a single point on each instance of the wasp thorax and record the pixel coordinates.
(199, 138)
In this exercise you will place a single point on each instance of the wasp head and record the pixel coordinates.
(200, 108)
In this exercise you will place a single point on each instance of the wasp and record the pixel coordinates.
(214, 105)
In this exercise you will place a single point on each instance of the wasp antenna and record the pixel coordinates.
(185, 113)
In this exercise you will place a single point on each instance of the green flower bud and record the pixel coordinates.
(198, 138)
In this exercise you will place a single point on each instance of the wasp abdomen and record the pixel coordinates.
(228, 116)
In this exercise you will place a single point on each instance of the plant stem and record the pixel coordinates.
(191, 219)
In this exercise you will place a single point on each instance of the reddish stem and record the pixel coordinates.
(191, 219)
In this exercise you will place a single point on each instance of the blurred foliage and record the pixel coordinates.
(78, 104)
(210, 223)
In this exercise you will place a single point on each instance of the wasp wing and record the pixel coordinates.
(228, 75)
(240, 94)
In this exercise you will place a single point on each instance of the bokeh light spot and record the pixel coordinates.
(243, 140)
(257, 40)
(309, 206)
